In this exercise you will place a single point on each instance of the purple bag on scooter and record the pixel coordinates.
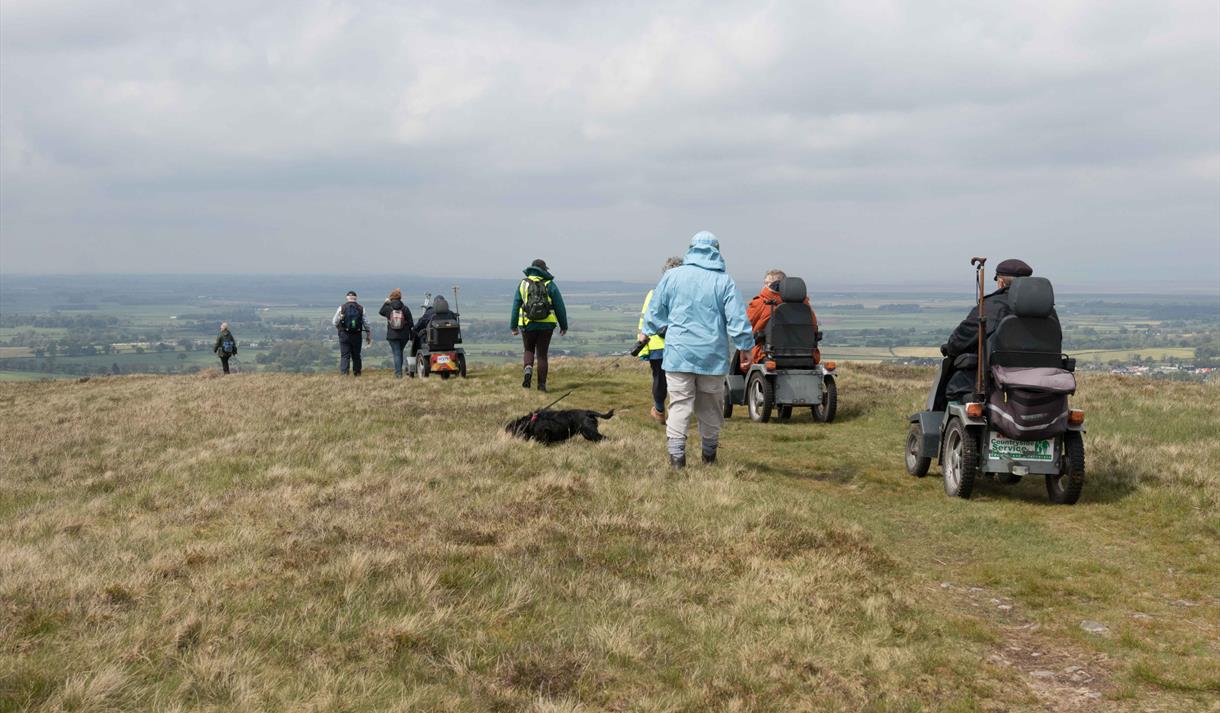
(1030, 403)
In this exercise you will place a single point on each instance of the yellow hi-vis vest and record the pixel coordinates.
(655, 343)
(522, 320)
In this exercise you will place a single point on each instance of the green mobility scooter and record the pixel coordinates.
(1018, 422)
(790, 374)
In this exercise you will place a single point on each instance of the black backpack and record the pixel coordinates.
(537, 305)
(353, 317)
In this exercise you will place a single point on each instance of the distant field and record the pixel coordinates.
(294, 312)
(8, 375)
(1126, 355)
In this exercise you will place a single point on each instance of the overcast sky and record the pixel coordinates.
(851, 141)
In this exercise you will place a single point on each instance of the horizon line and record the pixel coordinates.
(1123, 287)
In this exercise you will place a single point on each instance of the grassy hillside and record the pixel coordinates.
(278, 542)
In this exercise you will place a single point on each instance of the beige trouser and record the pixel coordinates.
(698, 393)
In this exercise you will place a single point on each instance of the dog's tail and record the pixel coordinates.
(607, 415)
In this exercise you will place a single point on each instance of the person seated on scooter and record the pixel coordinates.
(420, 333)
(963, 346)
(759, 312)
(439, 309)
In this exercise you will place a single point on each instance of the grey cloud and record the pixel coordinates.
(167, 136)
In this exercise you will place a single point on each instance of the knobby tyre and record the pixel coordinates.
(1065, 488)
(916, 466)
(825, 411)
(961, 464)
(760, 397)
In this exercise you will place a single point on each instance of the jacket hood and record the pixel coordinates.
(704, 252)
(532, 271)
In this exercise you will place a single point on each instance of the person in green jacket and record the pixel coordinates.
(225, 346)
(537, 309)
(654, 352)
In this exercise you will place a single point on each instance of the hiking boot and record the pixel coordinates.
(677, 462)
(709, 458)
(529, 376)
(542, 386)
(658, 416)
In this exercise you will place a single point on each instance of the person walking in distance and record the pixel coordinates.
(350, 322)
(398, 330)
(225, 346)
(537, 309)
(699, 307)
(654, 352)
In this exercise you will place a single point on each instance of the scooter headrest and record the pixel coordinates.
(792, 289)
(1031, 297)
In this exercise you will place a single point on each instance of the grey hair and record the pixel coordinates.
(224, 325)
(777, 273)
(671, 263)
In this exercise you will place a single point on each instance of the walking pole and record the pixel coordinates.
(455, 300)
(978, 263)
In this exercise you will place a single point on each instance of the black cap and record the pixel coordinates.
(351, 293)
(540, 263)
(1013, 268)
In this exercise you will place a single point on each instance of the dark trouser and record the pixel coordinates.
(396, 347)
(537, 342)
(659, 389)
(224, 362)
(960, 385)
(349, 348)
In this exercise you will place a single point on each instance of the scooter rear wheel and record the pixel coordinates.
(1065, 487)
(916, 466)
(760, 397)
(961, 464)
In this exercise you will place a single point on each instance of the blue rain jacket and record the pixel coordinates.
(702, 309)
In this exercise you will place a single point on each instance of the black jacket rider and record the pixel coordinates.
(963, 344)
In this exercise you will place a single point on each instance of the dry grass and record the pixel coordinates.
(277, 542)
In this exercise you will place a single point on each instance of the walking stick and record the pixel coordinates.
(455, 300)
(978, 263)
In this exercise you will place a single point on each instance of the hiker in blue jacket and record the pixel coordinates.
(700, 307)
(537, 309)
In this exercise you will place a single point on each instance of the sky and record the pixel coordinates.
(854, 142)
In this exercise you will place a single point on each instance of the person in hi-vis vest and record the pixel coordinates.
(654, 351)
(537, 310)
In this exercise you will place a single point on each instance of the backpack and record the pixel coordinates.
(353, 317)
(537, 306)
(397, 319)
(228, 346)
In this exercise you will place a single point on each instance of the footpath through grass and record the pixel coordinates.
(308, 543)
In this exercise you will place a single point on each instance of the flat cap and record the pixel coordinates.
(1013, 268)
(540, 263)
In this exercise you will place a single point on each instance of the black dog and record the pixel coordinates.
(555, 426)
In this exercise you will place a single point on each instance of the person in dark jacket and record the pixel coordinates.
(438, 308)
(396, 312)
(225, 346)
(536, 332)
(962, 346)
(350, 320)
